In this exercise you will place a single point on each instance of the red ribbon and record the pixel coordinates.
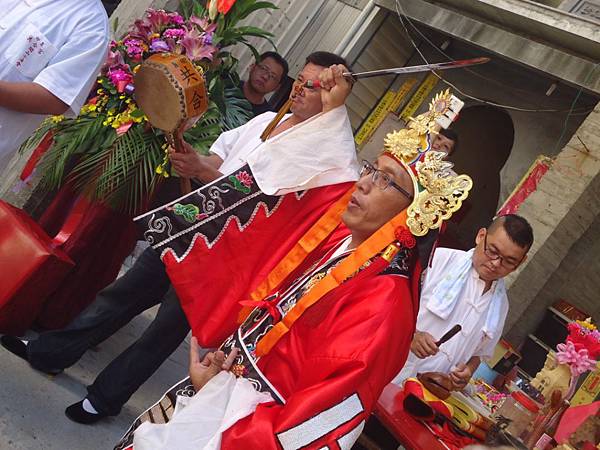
(36, 155)
(270, 306)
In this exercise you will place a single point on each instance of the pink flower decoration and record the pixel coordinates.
(176, 18)
(245, 178)
(578, 360)
(174, 33)
(194, 43)
(203, 23)
(135, 48)
(115, 58)
(141, 29)
(158, 19)
(120, 78)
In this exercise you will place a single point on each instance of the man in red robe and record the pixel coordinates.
(263, 197)
(307, 365)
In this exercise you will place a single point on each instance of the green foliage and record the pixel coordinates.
(120, 168)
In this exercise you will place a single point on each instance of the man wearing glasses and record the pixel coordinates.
(265, 77)
(467, 289)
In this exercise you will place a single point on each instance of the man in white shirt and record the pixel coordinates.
(50, 54)
(466, 289)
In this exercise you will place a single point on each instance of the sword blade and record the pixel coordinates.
(414, 69)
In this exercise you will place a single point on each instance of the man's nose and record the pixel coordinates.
(365, 183)
(497, 262)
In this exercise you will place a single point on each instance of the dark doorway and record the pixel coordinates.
(486, 136)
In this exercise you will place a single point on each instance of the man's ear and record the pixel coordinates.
(480, 236)
(252, 67)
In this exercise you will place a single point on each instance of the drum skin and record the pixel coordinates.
(170, 90)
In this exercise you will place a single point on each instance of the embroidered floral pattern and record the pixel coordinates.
(405, 237)
(242, 181)
(189, 212)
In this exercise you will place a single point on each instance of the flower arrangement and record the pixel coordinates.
(110, 151)
(582, 347)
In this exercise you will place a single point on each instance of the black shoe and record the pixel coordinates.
(76, 413)
(17, 347)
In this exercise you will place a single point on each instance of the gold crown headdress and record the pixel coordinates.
(442, 191)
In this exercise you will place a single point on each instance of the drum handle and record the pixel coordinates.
(184, 183)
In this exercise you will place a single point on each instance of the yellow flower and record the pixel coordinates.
(587, 323)
(100, 81)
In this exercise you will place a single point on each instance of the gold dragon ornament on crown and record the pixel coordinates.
(441, 191)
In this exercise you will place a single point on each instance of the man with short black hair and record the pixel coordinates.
(445, 141)
(467, 289)
(265, 77)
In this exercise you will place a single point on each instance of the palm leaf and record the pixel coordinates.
(206, 131)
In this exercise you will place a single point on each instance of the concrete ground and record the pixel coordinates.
(32, 403)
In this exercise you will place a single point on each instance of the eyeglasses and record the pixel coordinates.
(270, 74)
(381, 179)
(495, 256)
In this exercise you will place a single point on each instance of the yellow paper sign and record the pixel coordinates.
(420, 95)
(589, 390)
(375, 118)
(402, 92)
(389, 102)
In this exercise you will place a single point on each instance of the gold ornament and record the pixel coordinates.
(403, 144)
(444, 191)
(443, 195)
(440, 103)
(427, 122)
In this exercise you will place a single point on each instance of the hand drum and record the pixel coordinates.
(171, 91)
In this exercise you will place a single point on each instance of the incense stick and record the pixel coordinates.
(282, 112)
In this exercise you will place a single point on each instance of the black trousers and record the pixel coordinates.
(143, 286)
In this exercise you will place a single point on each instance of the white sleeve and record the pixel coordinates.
(229, 139)
(225, 142)
(71, 73)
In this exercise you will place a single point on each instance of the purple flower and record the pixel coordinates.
(135, 48)
(176, 18)
(158, 46)
(174, 33)
(207, 39)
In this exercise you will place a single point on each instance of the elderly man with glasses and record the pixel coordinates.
(466, 289)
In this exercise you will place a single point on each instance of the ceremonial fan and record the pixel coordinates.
(172, 93)
(312, 84)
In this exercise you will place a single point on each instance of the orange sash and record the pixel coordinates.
(346, 269)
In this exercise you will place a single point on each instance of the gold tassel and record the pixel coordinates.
(282, 112)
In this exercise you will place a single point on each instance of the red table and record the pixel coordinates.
(409, 432)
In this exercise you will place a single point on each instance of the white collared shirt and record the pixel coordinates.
(470, 313)
(58, 44)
